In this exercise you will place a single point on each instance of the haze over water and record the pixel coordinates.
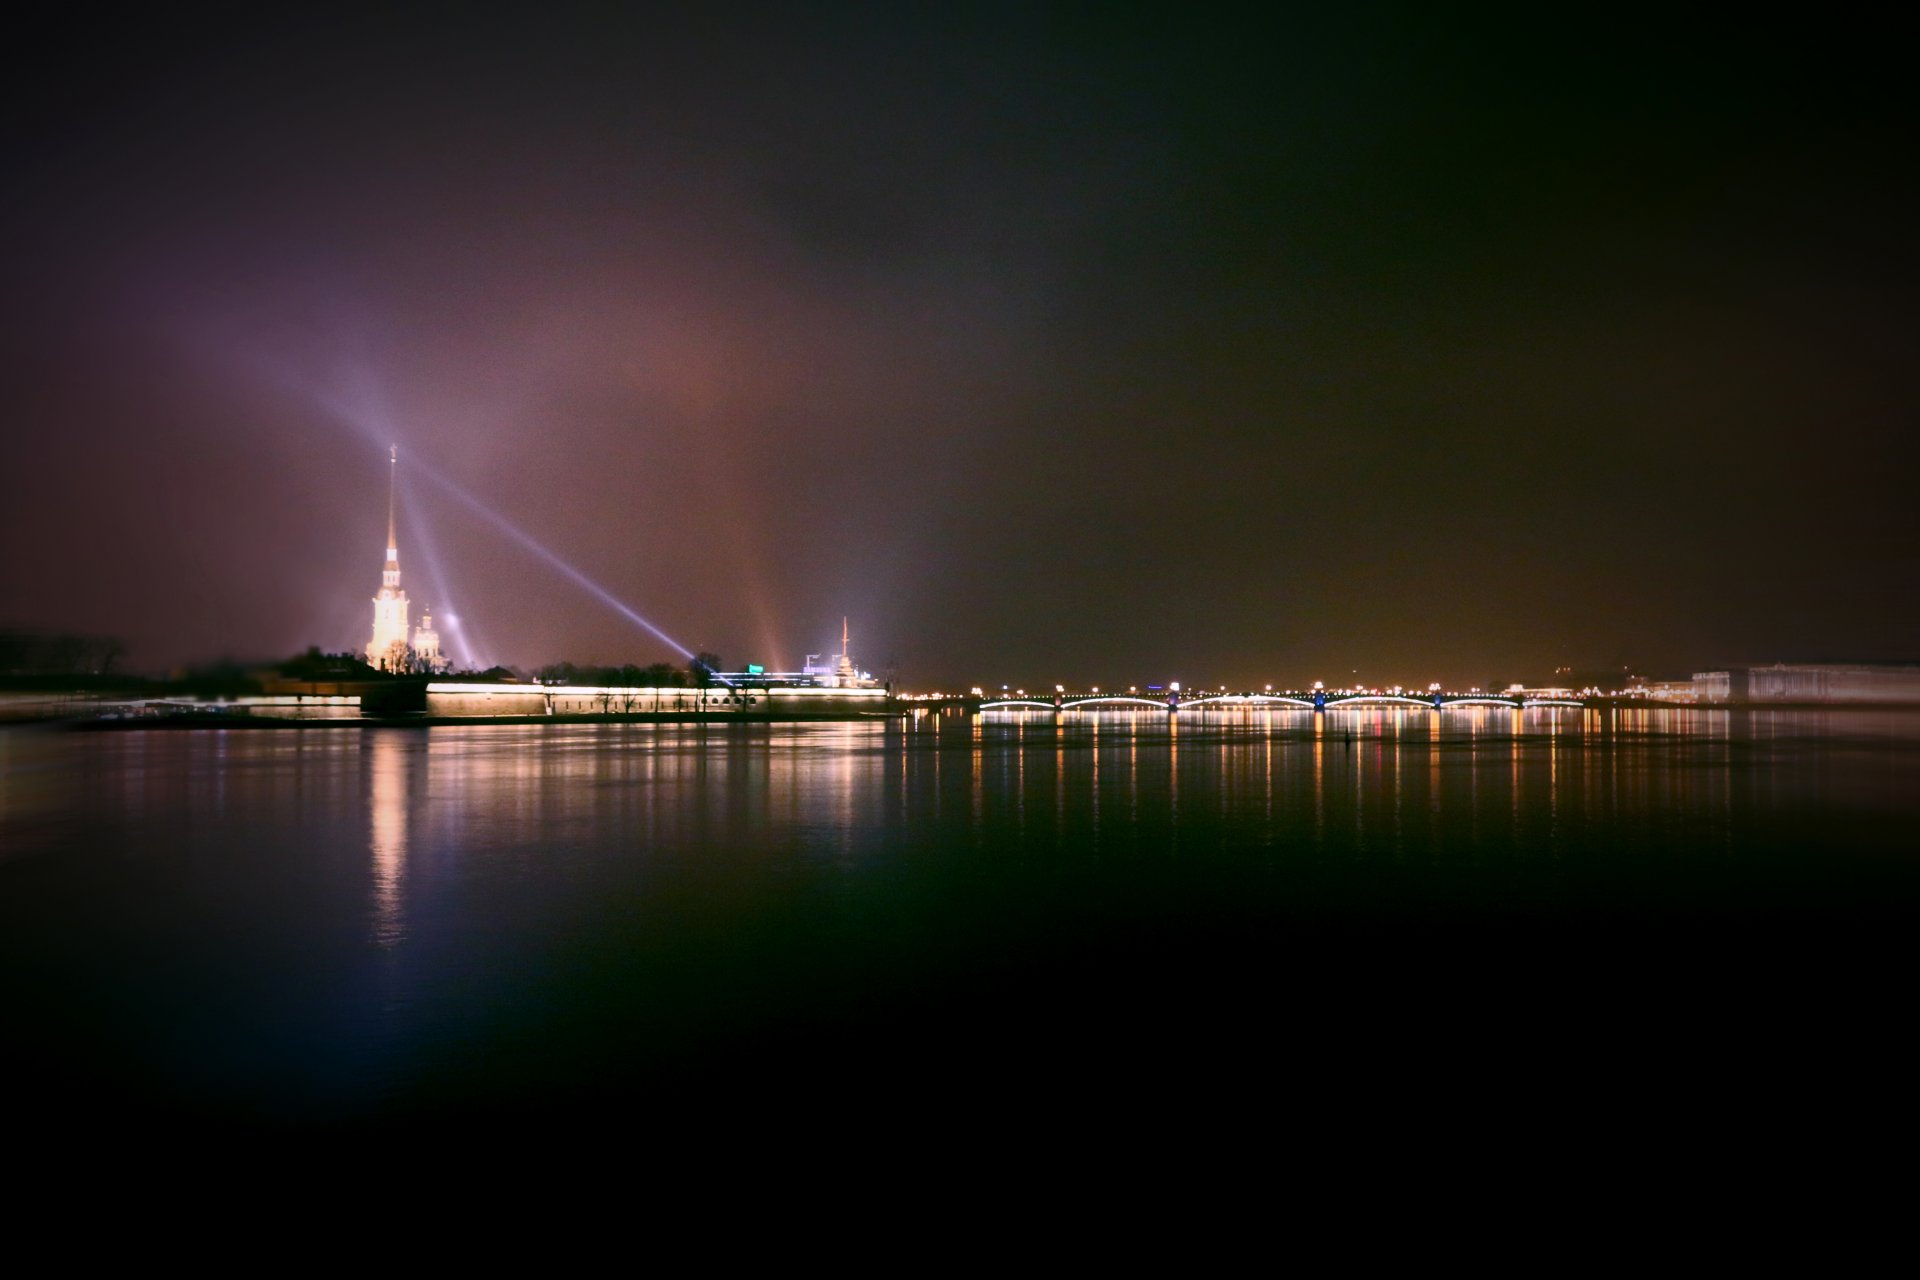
(350, 927)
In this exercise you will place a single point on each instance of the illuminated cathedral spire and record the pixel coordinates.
(388, 650)
(393, 538)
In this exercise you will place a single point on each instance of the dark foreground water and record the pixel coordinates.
(1125, 919)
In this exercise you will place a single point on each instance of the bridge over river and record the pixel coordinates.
(1311, 700)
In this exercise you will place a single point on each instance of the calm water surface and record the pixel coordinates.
(346, 926)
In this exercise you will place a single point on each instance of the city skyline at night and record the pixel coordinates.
(1111, 585)
(1045, 341)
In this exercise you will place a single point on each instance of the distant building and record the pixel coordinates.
(846, 675)
(1834, 682)
(841, 673)
(1665, 690)
(466, 700)
(1788, 682)
(426, 643)
(1712, 686)
(1559, 692)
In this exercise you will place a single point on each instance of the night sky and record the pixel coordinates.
(1047, 343)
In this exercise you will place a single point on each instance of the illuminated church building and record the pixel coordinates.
(389, 649)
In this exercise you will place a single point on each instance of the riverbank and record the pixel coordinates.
(251, 723)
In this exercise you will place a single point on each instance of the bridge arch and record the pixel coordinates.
(1377, 699)
(1248, 700)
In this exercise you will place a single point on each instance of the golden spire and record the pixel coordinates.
(393, 472)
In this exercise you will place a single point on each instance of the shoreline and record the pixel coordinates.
(434, 722)
(218, 720)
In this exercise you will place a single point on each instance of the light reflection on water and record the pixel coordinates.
(520, 796)
(410, 899)
(387, 802)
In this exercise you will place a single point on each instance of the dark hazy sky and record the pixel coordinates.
(1082, 343)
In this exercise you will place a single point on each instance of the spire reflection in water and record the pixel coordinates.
(342, 921)
(387, 763)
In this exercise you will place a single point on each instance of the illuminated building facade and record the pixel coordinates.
(1794, 682)
(389, 650)
(1883, 682)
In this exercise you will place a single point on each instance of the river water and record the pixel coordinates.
(344, 928)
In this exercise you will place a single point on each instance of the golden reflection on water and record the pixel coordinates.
(1519, 778)
(387, 839)
(1319, 778)
(977, 751)
(423, 809)
(1059, 783)
(1173, 763)
(1533, 778)
(1096, 779)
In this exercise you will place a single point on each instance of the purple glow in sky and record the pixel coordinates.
(1045, 342)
